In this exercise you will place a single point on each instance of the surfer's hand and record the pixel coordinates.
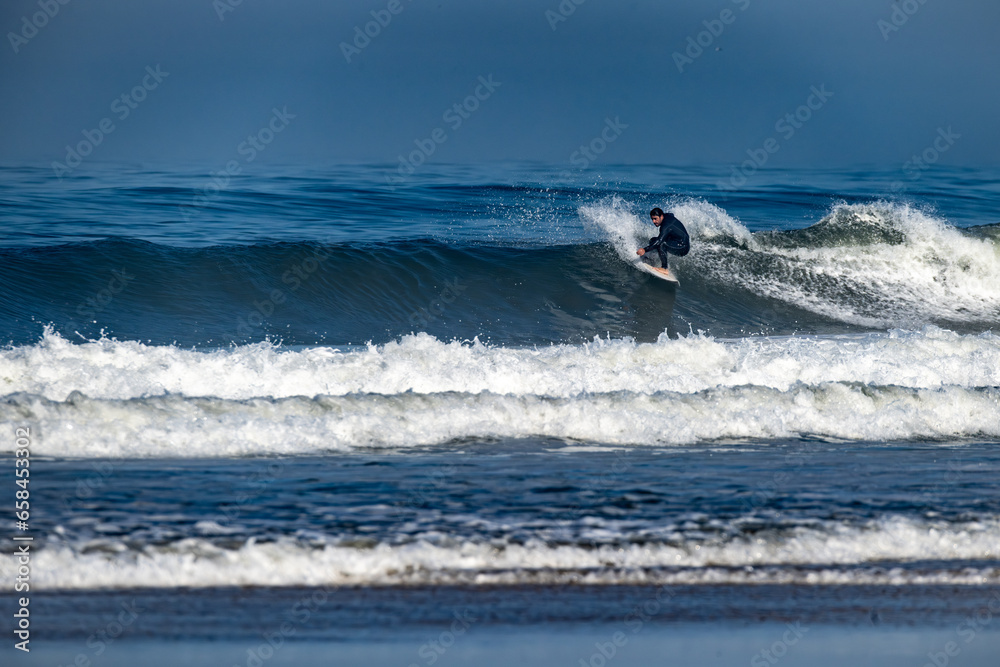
(640, 252)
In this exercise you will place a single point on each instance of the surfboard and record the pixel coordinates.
(662, 274)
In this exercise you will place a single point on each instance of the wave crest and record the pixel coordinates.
(876, 264)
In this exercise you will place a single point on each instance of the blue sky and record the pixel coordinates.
(561, 72)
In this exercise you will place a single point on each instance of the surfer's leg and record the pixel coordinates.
(663, 256)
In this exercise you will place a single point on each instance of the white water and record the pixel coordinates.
(175, 426)
(930, 272)
(931, 358)
(125, 399)
(876, 553)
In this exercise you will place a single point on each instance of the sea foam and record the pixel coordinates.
(891, 550)
(124, 399)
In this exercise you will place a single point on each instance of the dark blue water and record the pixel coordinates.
(312, 380)
(530, 511)
(508, 254)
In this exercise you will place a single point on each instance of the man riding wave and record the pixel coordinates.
(672, 239)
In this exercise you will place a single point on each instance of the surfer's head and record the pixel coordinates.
(656, 215)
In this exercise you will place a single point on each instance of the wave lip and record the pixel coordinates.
(877, 264)
(874, 265)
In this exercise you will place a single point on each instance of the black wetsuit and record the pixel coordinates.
(673, 239)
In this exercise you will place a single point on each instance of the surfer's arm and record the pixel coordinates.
(655, 243)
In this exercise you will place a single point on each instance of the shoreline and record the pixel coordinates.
(350, 613)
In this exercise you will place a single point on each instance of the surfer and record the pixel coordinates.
(672, 237)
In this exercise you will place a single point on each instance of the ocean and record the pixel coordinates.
(334, 416)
